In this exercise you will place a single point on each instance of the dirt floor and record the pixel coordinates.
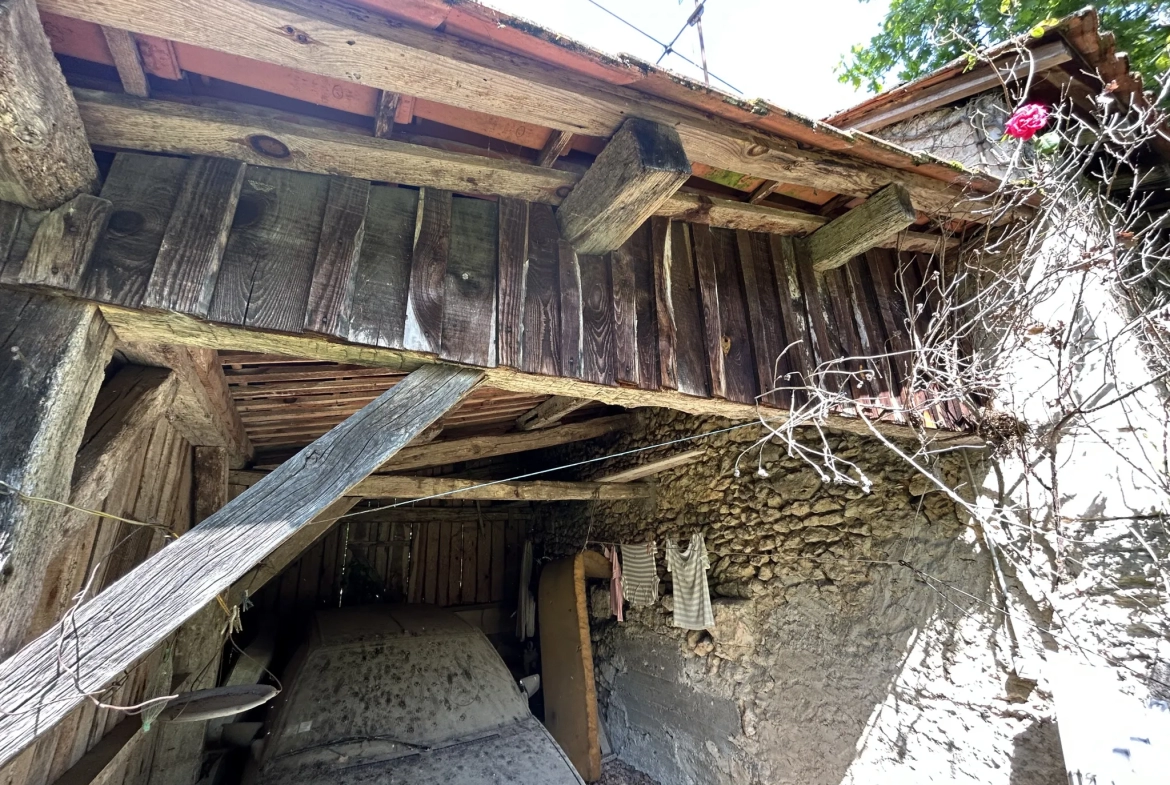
(614, 772)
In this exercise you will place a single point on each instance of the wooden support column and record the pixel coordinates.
(55, 352)
(640, 169)
(126, 621)
(45, 158)
(866, 226)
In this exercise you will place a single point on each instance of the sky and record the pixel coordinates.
(783, 51)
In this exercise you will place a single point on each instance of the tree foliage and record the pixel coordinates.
(919, 36)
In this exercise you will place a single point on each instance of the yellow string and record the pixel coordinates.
(26, 497)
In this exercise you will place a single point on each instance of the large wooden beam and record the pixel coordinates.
(438, 67)
(879, 218)
(388, 486)
(128, 123)
(639, 169)
(55, 352)
(45, 159)
(127, 620)
(476, 447)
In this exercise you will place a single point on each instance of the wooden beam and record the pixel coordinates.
(128, 61)
(763, 191)
(124, 122)
(45, 158)
(550, 412)
(384, 114)
(880, 217)
(64, 242)
(639, 169)
(435, 66)
(476, 447)
(127, 620)
(554, 148)
(203, 411)
(55, 352)
(654, 467)
(388, 486)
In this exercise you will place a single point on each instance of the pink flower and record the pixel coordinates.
(1026, 121)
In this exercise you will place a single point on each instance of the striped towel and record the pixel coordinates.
(692, 600)
(640, 573)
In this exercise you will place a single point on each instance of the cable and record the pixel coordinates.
(667, 48)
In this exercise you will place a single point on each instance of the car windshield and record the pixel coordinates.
(416, 691)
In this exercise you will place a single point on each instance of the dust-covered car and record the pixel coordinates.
(403, 694)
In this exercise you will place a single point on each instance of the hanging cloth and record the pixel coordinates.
(616, 601)
(692, 599)
(640, 573)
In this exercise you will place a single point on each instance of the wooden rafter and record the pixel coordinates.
(654, 467)
(549, 412)
(128, 61)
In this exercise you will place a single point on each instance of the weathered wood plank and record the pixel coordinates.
(143, 190)
(268, 263)
(45, 158)
(384, 115)
(50, 373)
(660, 248)
(432, 246)
(469, 299)
(791, 297)
(556, 145)
(708, 286)
(762, 322)
(541, 333)
(738, 363)
(499, 547)
(513, 261)
(190, 572)
(382, 280)
(192, 247)
(690, 357)
(572, 331)
(598, 357)
(549, 412)
(645, 307)
(469, 580)
(127, 60)
(483, 562)
(879, 217)
(654, 467)
(342, 232)
(642, 165)
(443, 579)
(823, 348)
(625, 314)
(64, 243)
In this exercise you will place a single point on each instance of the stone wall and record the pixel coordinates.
(825, 644)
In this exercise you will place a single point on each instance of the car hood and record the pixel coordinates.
(523, 752)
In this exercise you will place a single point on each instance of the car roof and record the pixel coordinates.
(372, 623)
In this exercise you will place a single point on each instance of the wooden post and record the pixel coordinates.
(45, 158)
(641, 167)
(54, 354)
(131, 617)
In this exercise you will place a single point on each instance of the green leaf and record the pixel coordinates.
(1048, 144)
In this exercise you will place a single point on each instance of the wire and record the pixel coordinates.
(667, 48)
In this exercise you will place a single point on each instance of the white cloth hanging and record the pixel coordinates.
(692, 599)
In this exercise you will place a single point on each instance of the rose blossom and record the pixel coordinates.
(1026, 121)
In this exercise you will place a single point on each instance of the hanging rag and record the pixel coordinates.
(692, 599)
(640, 573)
(615, 582)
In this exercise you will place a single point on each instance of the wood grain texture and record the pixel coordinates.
(124, 621)
(708, 285)
(558, 142)
(798, 344)
(143, 190)
(49, 379)
(690, 357)
(386, 486)
(541, 334)
(763, 313)
(550, 412)
(660, 248)
(569, 285)
(642, 165)
(45, 158)
(192, 248)
(384, 115)
(598, 357)
(469, 297)
(739, 365)
(334, 272)
(655, 467)
(879, 217)
(625, 313)
(645, 306)
(127, 60)
(64, 243)
(267, 267)
(382, 278)
(513, 260)
(432, 246)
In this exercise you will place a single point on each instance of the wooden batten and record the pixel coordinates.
(554, 148)
(45, 158)
(883, 215)
(639, 169)
(128, 61)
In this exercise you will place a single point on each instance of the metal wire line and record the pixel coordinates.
(666, 48)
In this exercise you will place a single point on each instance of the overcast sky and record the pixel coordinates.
(781, 50)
